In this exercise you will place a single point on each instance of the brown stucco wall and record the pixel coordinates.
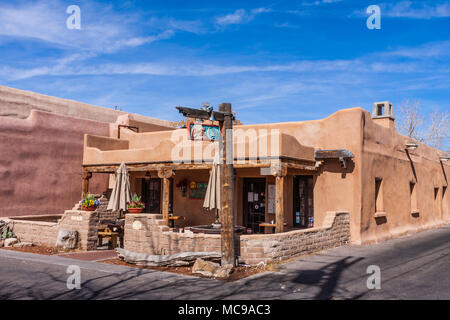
(379, 152)
(385, 157)
(335, 189)
(40, 165)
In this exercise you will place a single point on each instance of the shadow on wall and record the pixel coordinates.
(334, 166)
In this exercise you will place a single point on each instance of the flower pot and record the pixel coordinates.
(135, 210)
(90, 208)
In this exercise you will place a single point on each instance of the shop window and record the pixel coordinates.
(436, 200)
(151, 194)
(413, 198)
(303, 201)
(379, 206)
(444, 204)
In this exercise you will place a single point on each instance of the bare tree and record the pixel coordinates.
(432, 130)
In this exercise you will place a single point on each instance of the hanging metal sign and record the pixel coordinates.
(205, 132)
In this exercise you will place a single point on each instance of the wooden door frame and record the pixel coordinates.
(294, 196)
(245, 182)
(144, 191)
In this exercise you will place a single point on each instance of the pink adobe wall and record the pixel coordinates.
(40, 163)
(19, 103)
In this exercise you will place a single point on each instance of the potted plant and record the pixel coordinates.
(89, 203)
(135, 205)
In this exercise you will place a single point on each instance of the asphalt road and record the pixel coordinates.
(414, 267)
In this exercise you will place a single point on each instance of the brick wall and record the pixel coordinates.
(147, 233)
(37, 232)
(45, 233)
(334, 232)
(103, 212)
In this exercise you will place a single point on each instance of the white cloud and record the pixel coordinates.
(319, 2)
(102, 30)
(408, 9)
(439, 49)
(239, 16)
(384, 62)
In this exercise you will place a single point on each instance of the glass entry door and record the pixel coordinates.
(303, 202)
(254, 203)
(152, 195)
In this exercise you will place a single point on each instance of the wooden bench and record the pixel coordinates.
(107, 233)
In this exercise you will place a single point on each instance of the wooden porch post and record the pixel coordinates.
(165, 174)
(85, 184)
(280, 172)
(279, 210)
(226, 172)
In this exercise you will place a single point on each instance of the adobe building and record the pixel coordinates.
(351, 162)
(299, 187)
(41, 143)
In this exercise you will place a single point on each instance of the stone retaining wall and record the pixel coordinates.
(335, 232)
(147, 233)
(102, 210)
(45, 233)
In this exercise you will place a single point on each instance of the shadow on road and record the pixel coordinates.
(327, 277)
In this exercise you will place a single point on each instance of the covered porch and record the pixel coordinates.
(263, 192)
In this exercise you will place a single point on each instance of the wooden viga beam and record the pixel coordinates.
(341, 154)
(332, 154)
(202, 114)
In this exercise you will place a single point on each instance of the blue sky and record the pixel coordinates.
(273, 60)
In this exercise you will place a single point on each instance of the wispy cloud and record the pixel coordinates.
(319, 2)
(239, 16)
(102, 30)
(411, 10)
(439, 49)
(408, 9)
(382, 62)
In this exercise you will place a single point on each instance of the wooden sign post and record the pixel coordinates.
(225, 118)
(226, 174)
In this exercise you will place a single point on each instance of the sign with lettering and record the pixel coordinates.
(197, 190)
(206, 132)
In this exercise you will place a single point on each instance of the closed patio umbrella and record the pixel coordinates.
(212, 197)
(121, 193)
